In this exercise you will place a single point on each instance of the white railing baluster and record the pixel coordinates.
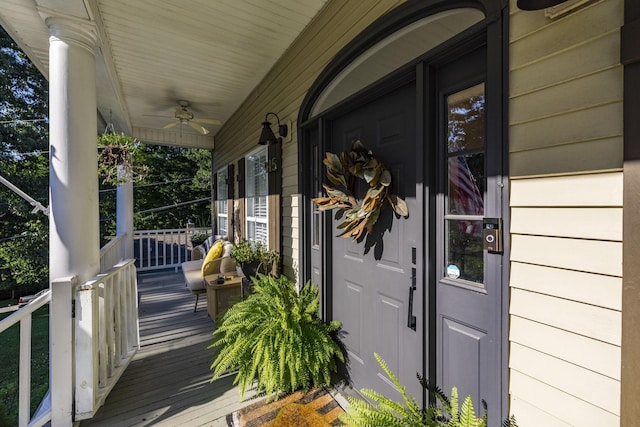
(24, 393)
(102, 336)
(157, 253)
(117, 324)
(124, 325)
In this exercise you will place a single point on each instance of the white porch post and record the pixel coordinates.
(124, 211)
(74, 241)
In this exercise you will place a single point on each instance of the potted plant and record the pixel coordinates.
(254, 258)
(276, 337)
(198, 239)
(116, 158)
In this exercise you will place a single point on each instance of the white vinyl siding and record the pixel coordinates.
(565, 143)
(256, 206)
(222, 202)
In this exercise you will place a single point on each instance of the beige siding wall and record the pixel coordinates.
(283, 90)
(565, 141)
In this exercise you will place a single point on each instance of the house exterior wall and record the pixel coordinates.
(566, 156)
(283, 90)
(565, 167)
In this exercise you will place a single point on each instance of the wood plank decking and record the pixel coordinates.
(167, 383)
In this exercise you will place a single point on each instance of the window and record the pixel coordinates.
(222, 202)
(465, 184)
(256, 196)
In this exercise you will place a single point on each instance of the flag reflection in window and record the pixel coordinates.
(465, 182)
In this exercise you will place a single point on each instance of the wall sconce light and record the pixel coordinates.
(537, 4)
(267, 136)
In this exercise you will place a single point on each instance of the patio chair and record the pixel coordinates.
(213, 263)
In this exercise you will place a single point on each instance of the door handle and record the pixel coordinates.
(411, 319)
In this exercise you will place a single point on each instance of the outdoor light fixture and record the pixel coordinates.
(267, 136)
(538, 4)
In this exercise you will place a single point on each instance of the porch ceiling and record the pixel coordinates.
(154, 53)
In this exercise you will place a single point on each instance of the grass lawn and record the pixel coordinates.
(9, 365)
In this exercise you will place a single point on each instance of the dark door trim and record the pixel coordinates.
(630, 58)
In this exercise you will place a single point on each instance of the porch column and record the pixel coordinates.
(124, 211)
(74, 244)
(74, 247)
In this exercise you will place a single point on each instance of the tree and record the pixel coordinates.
(24, 236)
(176, 188)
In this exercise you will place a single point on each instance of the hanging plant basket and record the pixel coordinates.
(116, 158)
(359, 216)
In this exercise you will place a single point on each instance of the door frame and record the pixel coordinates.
(495, 29)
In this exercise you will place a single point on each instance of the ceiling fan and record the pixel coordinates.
(184, 116)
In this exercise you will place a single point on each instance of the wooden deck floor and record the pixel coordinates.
(167, 383)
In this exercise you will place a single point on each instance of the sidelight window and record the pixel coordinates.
(465, 189)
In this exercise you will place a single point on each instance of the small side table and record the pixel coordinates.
(221, 297)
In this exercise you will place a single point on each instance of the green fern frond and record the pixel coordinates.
(510, 422)
(453, 408)
(275, 337)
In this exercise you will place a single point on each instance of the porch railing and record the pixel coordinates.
(159, 249)
(113, 252)
(106, 334)
(24, 317)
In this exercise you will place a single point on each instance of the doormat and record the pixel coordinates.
(264, 413)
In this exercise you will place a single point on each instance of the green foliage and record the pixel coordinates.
(10, 357)
(247, 252)
(275, 337)
(116, 150)
(174, 178)
(24, 160)
(198, 238)
(388, 412)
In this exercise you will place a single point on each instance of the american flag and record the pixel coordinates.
(465, 197)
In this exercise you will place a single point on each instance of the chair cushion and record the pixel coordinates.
(228, 265)
(208, 265)
(193, 275)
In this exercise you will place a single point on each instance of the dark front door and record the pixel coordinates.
(468, 282)
(371, 291)
(442, 141)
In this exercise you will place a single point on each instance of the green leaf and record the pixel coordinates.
(385, 178)
(369, 174)
(398, 205)
(336, 193)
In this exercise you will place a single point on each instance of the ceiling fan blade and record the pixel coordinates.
(170, 125)
(208, 121)
(199, 128)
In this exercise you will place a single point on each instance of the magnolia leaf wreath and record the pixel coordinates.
(359, 218)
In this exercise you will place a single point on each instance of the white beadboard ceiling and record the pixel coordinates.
(154, 53)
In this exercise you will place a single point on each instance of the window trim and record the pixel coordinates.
(219, 201)
(253, 219)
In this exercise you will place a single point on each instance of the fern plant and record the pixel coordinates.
(276, 337)
(387, 412)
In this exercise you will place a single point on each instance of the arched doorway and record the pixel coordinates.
(424, 90)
